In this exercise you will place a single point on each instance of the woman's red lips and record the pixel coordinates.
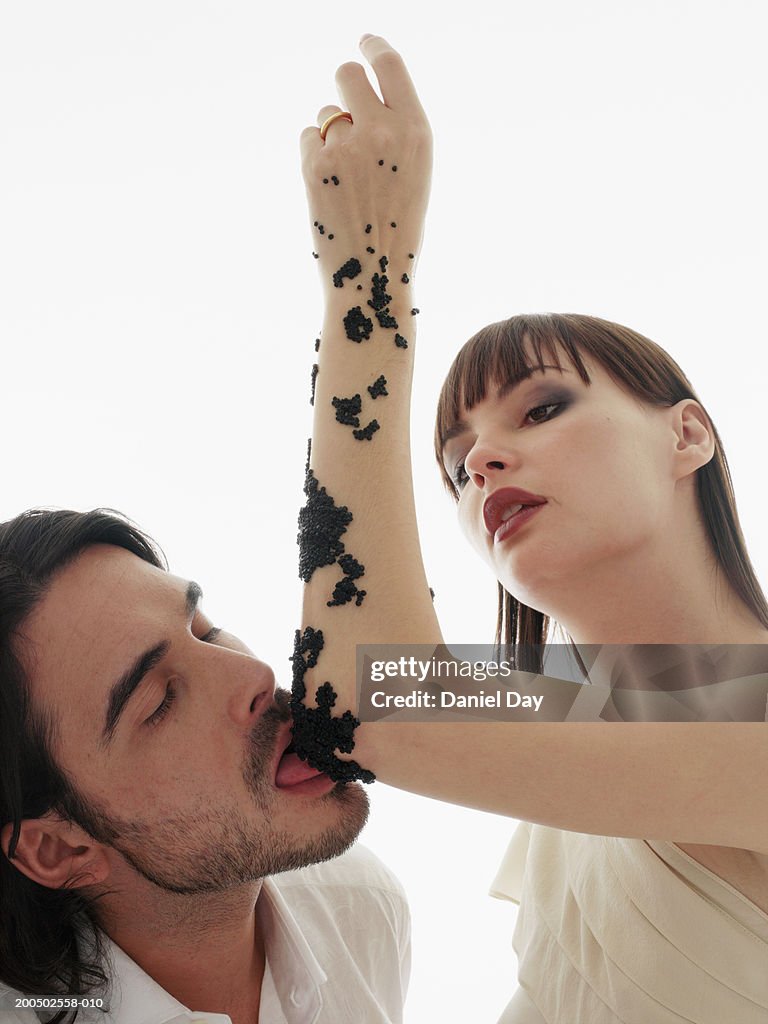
(502, 500)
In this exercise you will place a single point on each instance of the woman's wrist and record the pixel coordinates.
(366, 335)
(374, 280)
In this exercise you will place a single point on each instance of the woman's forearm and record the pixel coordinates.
(371, 478)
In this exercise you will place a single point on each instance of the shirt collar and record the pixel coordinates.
(296, 973)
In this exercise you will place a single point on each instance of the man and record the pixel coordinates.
(143, 752)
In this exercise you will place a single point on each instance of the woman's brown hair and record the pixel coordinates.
(498, 355)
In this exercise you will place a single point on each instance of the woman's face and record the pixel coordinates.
(597, 469)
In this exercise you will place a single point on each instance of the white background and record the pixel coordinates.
(159, 302)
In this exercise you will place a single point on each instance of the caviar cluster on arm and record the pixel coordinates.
(348, 410)
(350, 270)
(316, 732)
(314, 381)
(379, 387)
(321, 525)
(358, 325)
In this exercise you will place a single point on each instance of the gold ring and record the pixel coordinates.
(334, 117)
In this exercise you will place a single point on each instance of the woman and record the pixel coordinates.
(645, 843)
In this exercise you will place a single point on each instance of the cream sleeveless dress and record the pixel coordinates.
(628, 931)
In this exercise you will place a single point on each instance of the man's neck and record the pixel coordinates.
(231, 985)
(206, 951)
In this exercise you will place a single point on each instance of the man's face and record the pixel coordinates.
(188, 796)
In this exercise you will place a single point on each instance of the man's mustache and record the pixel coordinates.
(267, 729)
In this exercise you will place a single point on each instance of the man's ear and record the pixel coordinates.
(55, 853)
(695, 444)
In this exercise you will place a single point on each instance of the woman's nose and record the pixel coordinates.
(485, 462)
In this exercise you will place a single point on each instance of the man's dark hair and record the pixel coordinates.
(41, 929)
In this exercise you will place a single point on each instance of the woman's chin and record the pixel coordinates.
(534, 586)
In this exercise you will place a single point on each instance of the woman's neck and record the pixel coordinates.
(673, 592)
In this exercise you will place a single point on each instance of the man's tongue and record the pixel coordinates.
(292, 770)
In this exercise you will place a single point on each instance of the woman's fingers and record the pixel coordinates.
(325, 112)
(395, 83)
(357, 93)
(338, 129)
(309, 144)
(359, 96)
(310, 141)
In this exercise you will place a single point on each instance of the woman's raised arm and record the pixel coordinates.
(367, 187)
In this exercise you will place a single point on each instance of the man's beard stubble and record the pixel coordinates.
(212, 852)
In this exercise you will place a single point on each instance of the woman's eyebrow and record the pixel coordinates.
(505, 389)
(460, 426)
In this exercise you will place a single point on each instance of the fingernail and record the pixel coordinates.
(367, 35)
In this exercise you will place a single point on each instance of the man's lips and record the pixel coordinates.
(289, 769)
(498, 505)
(292, 771)
(282, 743)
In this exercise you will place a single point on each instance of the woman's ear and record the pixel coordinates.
(55, 853)
(695, 437)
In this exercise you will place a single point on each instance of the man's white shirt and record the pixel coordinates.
(338, 943)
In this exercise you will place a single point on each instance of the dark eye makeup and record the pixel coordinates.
(551, 409)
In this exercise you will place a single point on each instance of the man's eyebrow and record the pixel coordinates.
(460, 426)
(123, 688)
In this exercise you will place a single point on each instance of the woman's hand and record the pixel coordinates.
(382, 163)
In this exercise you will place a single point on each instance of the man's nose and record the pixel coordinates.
(252, 692)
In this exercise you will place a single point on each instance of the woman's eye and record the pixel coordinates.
(546, 409)
(211, 635)
(460, 476)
